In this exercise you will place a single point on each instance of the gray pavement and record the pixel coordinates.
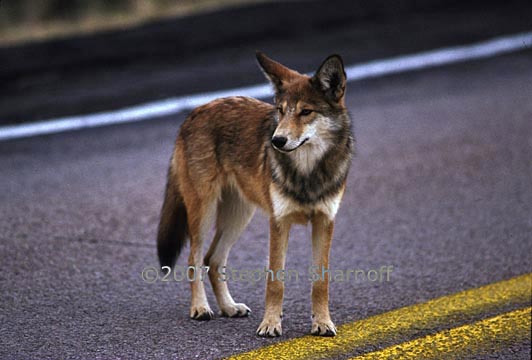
(440, 189)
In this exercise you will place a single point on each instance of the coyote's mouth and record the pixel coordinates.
(290, 150)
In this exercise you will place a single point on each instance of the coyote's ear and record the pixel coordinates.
(278, 74)
(330, 78)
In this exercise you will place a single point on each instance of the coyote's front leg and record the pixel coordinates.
(322, 232)
(271, 323)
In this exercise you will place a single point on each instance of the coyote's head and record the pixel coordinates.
(309, 109)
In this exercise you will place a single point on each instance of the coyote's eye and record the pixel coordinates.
(280, 109)
(305, 112)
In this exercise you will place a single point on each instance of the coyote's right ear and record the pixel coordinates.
(278, 74)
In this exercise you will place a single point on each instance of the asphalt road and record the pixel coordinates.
(440, 190)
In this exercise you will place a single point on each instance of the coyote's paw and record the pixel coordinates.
(270, 327)
(201, 313)
(236, 310)
(323, 328)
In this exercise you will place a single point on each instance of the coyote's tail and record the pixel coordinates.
(173, 227)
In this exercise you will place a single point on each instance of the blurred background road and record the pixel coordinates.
(440, 188)
(103, 71)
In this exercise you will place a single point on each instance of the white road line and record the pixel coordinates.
(484, 49)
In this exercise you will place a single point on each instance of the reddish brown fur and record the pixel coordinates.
(206, 145)
(223, 160)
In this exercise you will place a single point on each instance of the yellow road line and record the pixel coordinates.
(395, 326)
(474, 339)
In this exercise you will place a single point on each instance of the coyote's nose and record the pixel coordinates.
(279, 141)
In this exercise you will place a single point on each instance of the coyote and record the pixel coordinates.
(290, 159)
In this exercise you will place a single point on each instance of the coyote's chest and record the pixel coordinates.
(307, 179)
(284, 205)
(302, 189)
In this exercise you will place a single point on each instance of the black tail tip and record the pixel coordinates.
(167, 257)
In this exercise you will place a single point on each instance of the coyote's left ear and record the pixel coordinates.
(330, 78)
